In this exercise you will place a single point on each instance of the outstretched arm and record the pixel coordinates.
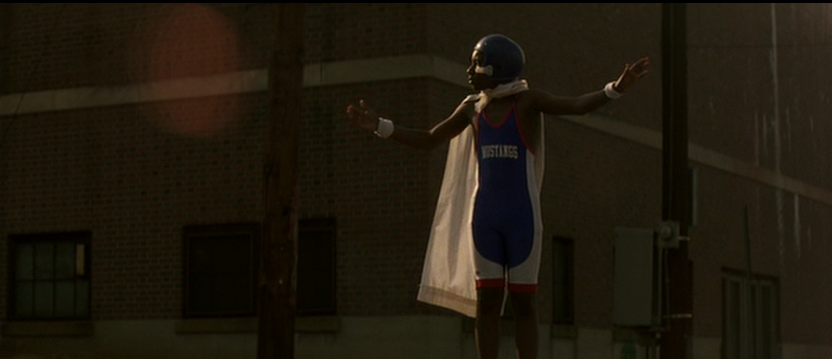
(366, 118)
(558, 105)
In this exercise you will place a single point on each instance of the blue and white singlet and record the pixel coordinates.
(506, 222)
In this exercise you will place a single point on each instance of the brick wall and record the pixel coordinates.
(767, 105)
(376, 190)
(114, 172)
(789, 241)
(338, 32)
(588, 191)
(71, 45)
(135, 174)
(762, 106)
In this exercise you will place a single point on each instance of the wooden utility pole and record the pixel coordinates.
(276, 284)
(675, 342)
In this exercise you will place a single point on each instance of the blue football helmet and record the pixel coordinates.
(499, 57)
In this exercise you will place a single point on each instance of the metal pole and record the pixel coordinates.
(276, 284)
(675, 342)
(747, 340)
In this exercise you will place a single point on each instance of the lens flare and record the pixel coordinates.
(192, 41)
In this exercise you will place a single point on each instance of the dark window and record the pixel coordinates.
(220, 270)
(749, 316)
(563, 279)
(316, 267)
(50, 276)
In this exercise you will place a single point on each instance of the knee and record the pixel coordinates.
(489, 302)
(524, 305)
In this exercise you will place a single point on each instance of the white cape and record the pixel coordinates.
(448, 278)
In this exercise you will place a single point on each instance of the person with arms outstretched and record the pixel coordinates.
(505, 121)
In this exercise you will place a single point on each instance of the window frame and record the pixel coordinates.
(194, 232)
(78, 238)
(568, 245)
(318, 224)
(750, 330)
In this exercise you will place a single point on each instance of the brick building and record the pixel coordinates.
(132, 166)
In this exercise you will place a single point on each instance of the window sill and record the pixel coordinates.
(249, 325)
(47, 329)
(318, 324)
(562, 331)
(620, 335)
(506, 325)
(216, 325)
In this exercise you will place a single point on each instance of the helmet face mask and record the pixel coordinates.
(499, 58)
(479, 77)
(476, 60)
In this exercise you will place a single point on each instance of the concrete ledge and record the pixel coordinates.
(707, 157)
(216, 325)
(383, 69)
(559, 331)
(328, 323)
(249, 325)
(620, 335)
(47, 329)
(238, 82)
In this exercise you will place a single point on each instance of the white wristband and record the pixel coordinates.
(609, 90)
(385, 128)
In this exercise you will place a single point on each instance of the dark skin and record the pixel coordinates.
(530, 104)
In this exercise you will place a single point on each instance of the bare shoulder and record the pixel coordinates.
(456, 122)
(532, 100)
(534, 97)
(529, 110)
(545, 102)
(466, 108)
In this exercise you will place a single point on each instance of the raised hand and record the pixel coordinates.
(631, 75)
(363, 116)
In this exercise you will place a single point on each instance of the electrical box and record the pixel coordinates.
(635, 295)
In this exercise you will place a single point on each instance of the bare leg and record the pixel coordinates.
(525, 323)
(489, 304)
